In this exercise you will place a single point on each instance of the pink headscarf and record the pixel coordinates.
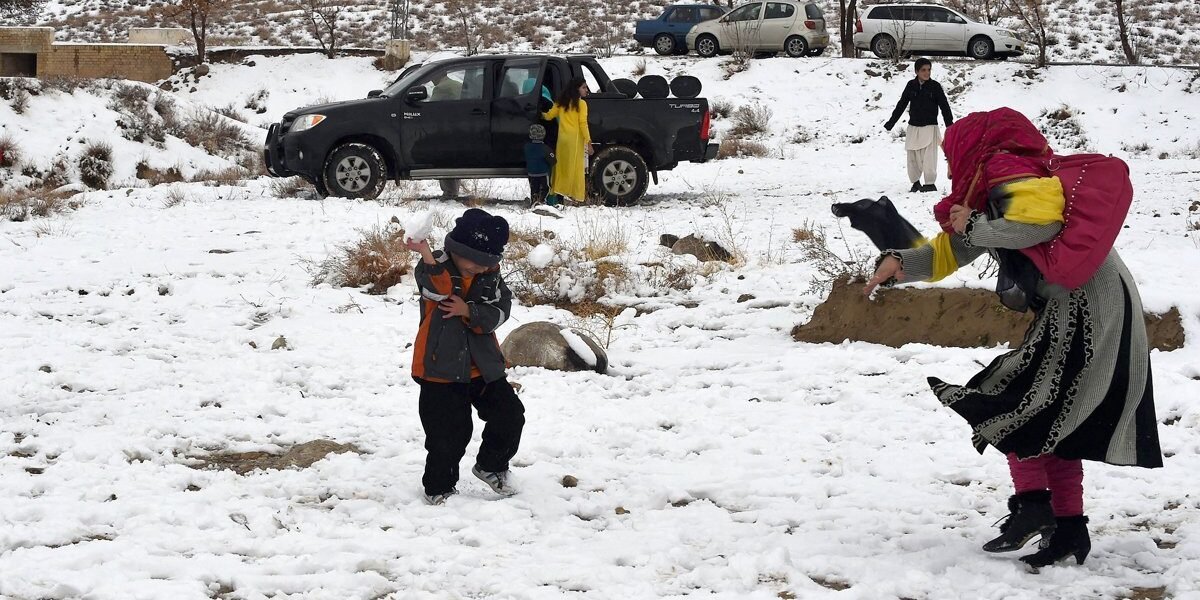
(984, 149)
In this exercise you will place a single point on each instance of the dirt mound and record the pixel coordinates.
(957, 317)
(299, 456)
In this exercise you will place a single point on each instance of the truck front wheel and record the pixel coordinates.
(355, 170)
(619, 176)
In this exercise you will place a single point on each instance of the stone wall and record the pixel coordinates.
(21, 48)
(148, 63)
(26, 40)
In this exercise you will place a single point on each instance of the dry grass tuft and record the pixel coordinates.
(831, 265)
(10, 154)
(751, 120)
(22, 205)
(378, 259)
(733, 147)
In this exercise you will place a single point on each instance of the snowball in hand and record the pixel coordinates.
(418, 226)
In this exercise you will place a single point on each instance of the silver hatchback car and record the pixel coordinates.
(797, 28)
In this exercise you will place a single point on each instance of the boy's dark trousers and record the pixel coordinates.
(445, 410)
(539, 188)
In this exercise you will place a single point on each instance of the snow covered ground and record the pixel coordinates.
(719, 459)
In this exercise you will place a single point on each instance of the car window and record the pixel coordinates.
(519, 78)
(916, 13)
(813, 12)
(464, 82)
(953, 17)
(748, 12)
(779, 10)
(937, 15)
(590, 78)
(708, 14)
(880, 12)
(683, 14)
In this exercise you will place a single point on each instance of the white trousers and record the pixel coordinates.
(922, 144)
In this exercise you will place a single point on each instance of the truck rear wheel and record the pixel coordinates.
(619, 176)
(355, 170)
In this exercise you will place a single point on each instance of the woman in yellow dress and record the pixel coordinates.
(574, 141)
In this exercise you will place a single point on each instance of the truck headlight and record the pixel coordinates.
(307, 122)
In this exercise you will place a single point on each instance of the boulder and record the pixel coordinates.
(541, 344)
(705, 251)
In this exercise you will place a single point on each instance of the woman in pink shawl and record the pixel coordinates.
(1079, 385)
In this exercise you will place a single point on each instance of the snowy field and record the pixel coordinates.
(718, 459)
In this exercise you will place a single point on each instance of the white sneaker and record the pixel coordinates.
(497, 480)
(438, 499)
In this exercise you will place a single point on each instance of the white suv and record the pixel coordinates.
(795, 27)
(886, 29)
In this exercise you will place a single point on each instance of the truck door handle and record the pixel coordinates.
(478, 112)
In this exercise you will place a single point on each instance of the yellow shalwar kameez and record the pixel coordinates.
(573, 136)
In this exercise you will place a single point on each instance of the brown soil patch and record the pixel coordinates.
(959, 317)
(299, 456)
(1157, 593)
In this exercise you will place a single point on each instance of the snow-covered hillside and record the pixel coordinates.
(1163, 31)
(719, 459)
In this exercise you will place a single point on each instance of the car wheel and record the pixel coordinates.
(884, 46)
(619, 176)
(707, 46)
(355, 171)
(796, 46)
(981, 48)
(664, 44)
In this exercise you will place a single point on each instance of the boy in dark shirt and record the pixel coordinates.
(923, 137)
(539, 158)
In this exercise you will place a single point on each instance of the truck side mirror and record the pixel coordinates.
(374, 93)
(417, 94)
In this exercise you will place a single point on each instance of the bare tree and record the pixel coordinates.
(21, 11)
(466, 17)
(1131, 57)
(1032, 14)
(847, 25)
(323, 17)
(196, 15)
(989, 11)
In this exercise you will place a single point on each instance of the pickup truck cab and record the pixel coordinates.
(469, 118)
(668, 33)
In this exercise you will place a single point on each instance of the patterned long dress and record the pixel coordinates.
(1079, 385)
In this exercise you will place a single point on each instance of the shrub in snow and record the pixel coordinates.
(257, 102)
(378, 259)
(751, 120)
(214, 133)
(95, 165)
(1062, 125)
(137, 122)
(735, 147)
(10, 155)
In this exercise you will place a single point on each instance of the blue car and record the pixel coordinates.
(667, 34)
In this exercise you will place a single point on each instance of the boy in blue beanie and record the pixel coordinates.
(457, 359)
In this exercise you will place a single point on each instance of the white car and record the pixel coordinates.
(886, 29)
(797, 28)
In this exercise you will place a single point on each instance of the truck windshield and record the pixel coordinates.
(408, 78)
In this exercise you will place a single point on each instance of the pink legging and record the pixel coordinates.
(1064, 479)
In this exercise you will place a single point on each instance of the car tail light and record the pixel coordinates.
(705, 125)
(810, 24)
(858, 26)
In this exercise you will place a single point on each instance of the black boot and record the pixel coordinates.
(1029, 515)
(916, 186)
(929, 187)
(1070, 538)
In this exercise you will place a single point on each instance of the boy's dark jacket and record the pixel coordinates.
(539, 157)
(446, 349)
(926, 99)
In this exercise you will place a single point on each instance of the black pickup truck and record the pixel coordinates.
(469, 118)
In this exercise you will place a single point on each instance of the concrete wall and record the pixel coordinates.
(26, 40)
(166, 36)
(139, 62)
